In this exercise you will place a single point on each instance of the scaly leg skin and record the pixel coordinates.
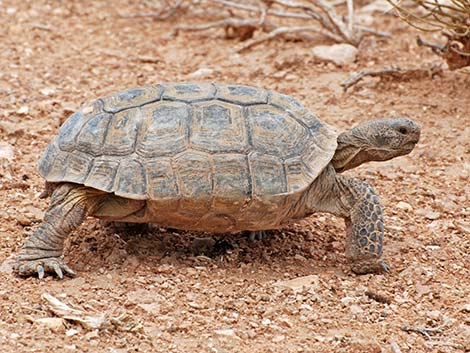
(365, 229)
(42, 252)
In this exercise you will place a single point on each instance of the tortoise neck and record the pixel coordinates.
(350, 153)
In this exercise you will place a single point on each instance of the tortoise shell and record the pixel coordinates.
(194, 143)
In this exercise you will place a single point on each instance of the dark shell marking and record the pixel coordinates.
(208, 145)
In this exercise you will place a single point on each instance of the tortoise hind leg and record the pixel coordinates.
(43, 250)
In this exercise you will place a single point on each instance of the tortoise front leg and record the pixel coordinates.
(365, 229)
(43, 250)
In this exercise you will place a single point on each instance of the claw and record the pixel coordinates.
(40, 271)
(385, 266)
(57, 270)
(68, 271)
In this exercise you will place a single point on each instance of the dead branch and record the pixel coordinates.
(276, 18)
(245, 27)
(425, 331)
(392, 72)
(450, 17)
(284, 30)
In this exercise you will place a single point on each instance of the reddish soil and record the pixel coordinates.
(163, 292)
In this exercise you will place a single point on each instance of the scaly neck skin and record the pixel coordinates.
(328, 193)
(375, 140)
(349, 153)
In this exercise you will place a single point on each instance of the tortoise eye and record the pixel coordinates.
(403, 130)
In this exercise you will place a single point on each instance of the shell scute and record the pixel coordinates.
(275, 132)
(244, 95)
(131, 98)
(218, 127)
(165, 129)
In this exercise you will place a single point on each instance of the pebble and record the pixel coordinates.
(299, 283)
(53, 323)
(434, 315)
(91, 335)
(203, 72)
(7, 265)
(6, 151)
(356, 309)
(429, 214)
(404, 206)
(346, 300)
(339, 54)
(71, 332)
(23, 110)
(226, 332)
(279, 338)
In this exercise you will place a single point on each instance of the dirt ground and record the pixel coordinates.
(170, 291)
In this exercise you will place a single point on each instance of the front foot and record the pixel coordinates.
(53, 265)
(365, 266)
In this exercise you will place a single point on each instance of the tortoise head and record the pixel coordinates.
(375, 140)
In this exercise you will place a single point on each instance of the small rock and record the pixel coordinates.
(434, 315)
(118, 350)
(278, 338)
(226, 332)
(71, 332)
(7, 265)
(298, 284)
(266, 322)
(404, 206)
(35, 212)
(91, 335)
(429, 214)
(13, 129)
(55, 324)
(346, 300)
(6, 151)
(152, 308)
(47, 91)
(203, 72)
(356, 309)
(23, 110)
(23, 220)
(339, 54)
(365, 345)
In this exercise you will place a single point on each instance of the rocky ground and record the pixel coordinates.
(172, 291)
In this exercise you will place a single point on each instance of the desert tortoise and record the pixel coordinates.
(210, 157)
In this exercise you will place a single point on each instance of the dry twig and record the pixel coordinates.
(276, 18)
(425, 331)
(392, 72)
(450, 17)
